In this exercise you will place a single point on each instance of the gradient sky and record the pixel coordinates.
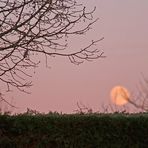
(124, 25)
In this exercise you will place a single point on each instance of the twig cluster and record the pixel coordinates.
(31, 27)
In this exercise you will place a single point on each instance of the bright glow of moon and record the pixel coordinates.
(119, 95)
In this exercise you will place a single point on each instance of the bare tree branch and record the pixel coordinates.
(30, 27)
(140, 101)
(4, 100)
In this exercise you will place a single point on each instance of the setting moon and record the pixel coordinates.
(120, 95)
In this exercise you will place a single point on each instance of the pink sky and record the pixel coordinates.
(123, 24)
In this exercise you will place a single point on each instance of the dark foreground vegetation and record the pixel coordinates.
(56, 130)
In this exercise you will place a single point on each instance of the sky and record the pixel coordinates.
(123, 24)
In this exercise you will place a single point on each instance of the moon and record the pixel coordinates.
(120, 95)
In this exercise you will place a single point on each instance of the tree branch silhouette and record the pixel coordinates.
(30, 27)
(141, 99)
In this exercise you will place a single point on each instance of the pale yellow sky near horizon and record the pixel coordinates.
(123, 24)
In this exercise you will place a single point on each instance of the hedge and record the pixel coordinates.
(74, 131)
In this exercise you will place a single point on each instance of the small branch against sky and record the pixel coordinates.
(32, 27)
(140, 100)
(4, 100)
